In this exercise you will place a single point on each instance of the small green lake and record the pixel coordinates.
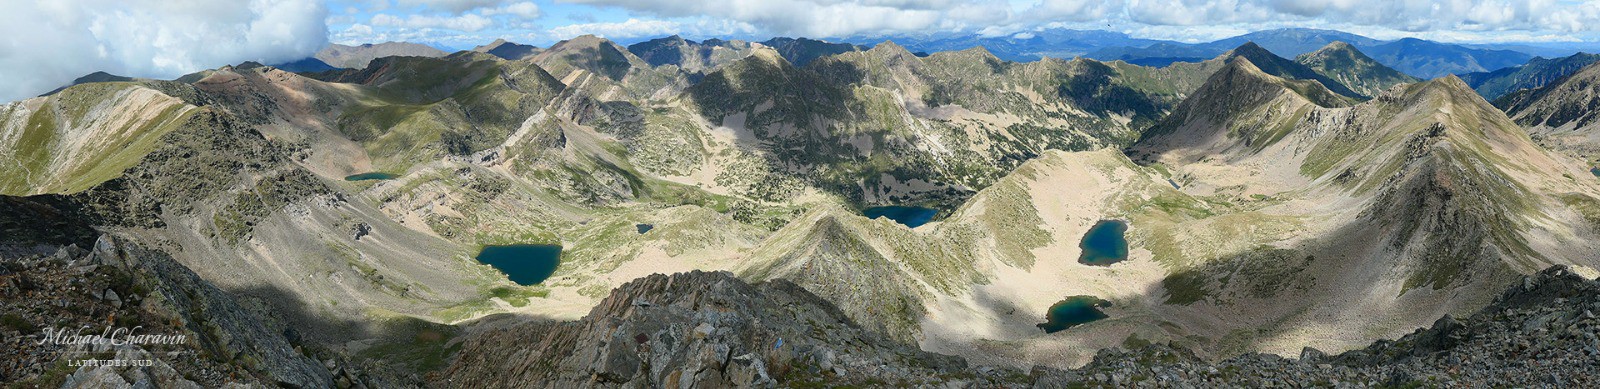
(1105, 244)
(1073, 311)
(524, 264)
(1595, 171)
(370, 176)
(908, 215)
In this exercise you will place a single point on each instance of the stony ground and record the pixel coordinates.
(711, 329)
(227, 340)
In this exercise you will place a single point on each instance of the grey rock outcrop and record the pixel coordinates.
(221, 325)
(699, 329)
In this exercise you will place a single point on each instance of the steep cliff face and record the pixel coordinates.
(54, 285)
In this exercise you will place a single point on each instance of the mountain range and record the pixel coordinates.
(323, 227)
(1412, 56)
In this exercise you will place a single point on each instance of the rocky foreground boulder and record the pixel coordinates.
(222, 340)
(701, 329)
(713, 330)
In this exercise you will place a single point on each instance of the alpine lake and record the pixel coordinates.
(908, 215)
(524, 264)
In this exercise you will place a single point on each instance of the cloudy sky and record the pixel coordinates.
(46, 43)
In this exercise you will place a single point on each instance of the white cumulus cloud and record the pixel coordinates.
(456, 6)
(637, 28)
(825, 18)
(468, 22)
(47, 44)
(526, 10)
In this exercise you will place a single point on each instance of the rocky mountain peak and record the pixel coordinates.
(1452, 90)
(1281, 67)
(1347, 65)
(1339, 51)
(979, 52)
(767, 54)
(889, 50)
(507, 50)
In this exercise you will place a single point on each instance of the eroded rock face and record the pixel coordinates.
(48, 286)
(222, 325)
(698, 329)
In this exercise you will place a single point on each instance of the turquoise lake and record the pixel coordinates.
(1105, 244)
(524, 264)
(910, 216)
(1073, 311)
(1595, 171)
(370, 176)
(643, 228)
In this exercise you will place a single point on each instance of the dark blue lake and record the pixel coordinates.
(910, 216)
(1073, 311)
(1595, 170)
(1105, 243)
(643, 228)
(370, 176)
(524, 264)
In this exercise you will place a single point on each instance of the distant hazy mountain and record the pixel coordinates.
(1347, 65)
(358, 56)
(1536, 73)
(507, 50)
(1416, 57)
(1158, 54)
(1029, 46)
(1429, 59)
(1287, 42)
(1292, 42)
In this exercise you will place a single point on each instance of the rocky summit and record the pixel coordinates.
(804, 212)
